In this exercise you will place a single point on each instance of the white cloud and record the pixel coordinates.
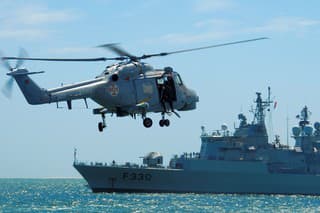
(31, 22)
(287, 24)
(212, 5)
(213, 23)
(220, 24)
(40, 16)
(23, 33)
(213, 29)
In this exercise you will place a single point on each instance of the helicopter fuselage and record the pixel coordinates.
(132, 88)
(126, 88)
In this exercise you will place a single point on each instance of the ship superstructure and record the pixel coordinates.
(242, 162)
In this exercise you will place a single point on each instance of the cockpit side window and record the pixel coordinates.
(178, 79)
(160, 81)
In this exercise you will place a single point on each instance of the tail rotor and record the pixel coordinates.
(8, 86)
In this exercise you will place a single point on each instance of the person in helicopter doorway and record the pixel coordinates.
(163, 97)
(167, 93)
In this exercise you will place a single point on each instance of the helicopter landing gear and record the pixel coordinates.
(147, 122)
(164, 122)
(102, 125)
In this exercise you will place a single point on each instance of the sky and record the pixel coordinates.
(38, 141)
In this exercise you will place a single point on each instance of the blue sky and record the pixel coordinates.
(38, 141)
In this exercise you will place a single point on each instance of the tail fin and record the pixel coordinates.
(31, 91)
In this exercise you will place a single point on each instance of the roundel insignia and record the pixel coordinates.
(113, 89)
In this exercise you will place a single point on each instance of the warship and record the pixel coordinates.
(243, 162)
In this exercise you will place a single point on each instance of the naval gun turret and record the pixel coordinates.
(153, 159)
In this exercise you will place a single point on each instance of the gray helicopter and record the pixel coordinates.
(127, 88)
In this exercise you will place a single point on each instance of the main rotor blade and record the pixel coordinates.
(117, 50)
(63, 59)
(200, 48)
(7, 89)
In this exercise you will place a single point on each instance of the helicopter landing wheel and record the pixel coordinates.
(166, 122)
(161, 122)
(147, 122)
(101, 126)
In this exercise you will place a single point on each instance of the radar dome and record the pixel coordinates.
(317, 125)
(296, 131)
(224, 127)
(308, 130)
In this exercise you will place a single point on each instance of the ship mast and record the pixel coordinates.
(261, 105)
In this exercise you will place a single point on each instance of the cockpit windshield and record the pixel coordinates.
(178, 79)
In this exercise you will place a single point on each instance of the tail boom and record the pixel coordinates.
(36, 95)
(31, 91)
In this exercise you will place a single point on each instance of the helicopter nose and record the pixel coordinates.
(192, 96)
(191, 99)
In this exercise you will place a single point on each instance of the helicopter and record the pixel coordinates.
(129, 87)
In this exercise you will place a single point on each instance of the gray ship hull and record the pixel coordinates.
(223, 177)
(243, 162)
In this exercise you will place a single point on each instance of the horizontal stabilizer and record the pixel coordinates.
(23, 72)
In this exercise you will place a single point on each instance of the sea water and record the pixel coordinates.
(73, 195)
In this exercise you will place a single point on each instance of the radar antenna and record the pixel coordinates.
(304, 116)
